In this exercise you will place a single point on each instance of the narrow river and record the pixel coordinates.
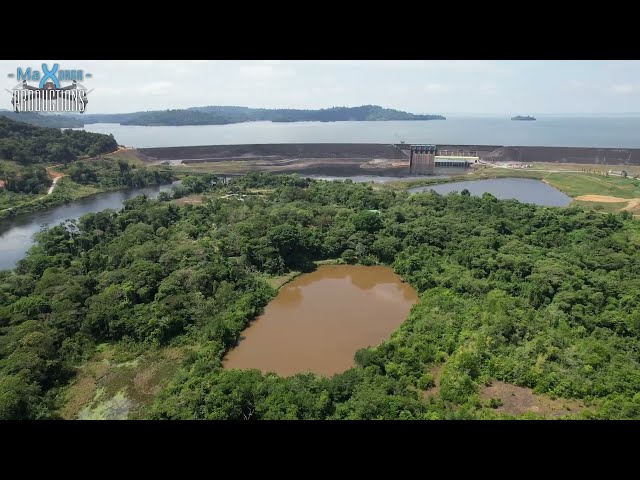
(16, 234)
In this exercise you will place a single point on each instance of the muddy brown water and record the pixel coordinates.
(319, 320)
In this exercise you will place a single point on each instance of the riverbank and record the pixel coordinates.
(67, 191)
(64, 190)
(280, 281)
(17, 233)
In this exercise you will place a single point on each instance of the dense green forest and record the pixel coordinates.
(108, 174)
(50, 120)
(540, 297)
(26, 149)
(28, 144)
(181, 117)
(30, 180)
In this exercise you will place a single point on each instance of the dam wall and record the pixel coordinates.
(213, 153)
(594, 156)
(379, 156)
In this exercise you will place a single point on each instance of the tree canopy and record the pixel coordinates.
(29, 144)
(539, 297)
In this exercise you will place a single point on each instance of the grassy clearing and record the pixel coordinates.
(600, 206)
(190, 200)
(489, 172)
(129, 156)
(329, 261)
(577, 184)
(511, 400)
(68, 190)
(587, 168)
(229, 167)
(278, 281)
(261, 190)
(107, 388)
(9, 166)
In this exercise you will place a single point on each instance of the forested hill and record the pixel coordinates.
(335, 114)
(217, 115)
(53, 121)
(221, 115)
(29, 144)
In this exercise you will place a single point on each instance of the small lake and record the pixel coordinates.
(16, 234)
(524, 190)
(319, 320)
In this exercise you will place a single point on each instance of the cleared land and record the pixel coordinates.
(585, 182)
(515, 400)
(112, 388)
(508, 399)
(337, 159)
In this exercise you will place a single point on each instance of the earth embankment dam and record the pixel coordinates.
(379, 159)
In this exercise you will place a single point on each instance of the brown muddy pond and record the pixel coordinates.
(319, 320)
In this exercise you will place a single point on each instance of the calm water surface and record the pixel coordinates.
(552, 131)
(16, 234)
(319, 320)
(522, 189)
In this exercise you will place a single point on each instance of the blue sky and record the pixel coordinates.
(473, 87)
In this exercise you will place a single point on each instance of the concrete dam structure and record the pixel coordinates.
(422, 159)
(375, 159)
(425, 158)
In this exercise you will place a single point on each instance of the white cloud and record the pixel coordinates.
(430, 65)
(110, 91)
(488, 89)
(623, 88)
(155, 88)
(436, 88)
(265, 71)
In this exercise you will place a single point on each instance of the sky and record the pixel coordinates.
(473, 87)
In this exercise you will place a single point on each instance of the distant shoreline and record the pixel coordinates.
(222, 115)
(271, 121)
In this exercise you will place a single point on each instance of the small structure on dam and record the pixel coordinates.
(424, 159)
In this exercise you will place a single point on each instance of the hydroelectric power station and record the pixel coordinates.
(424, 158)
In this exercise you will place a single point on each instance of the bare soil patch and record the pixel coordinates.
(633, 205)
(190, 200)
(519, 400)
(602, 199)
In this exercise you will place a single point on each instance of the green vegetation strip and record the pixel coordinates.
(26, 150)
(540, 302)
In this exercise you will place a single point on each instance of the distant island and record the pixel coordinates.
(223, 115)
(220, 115)
(520, 117)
